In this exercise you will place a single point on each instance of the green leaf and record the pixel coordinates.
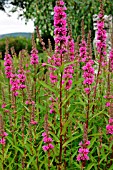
(97, 114)
(70, 140)
(55, 137)
(90, 166)
(47, 86)
(30, 160)
(18, 149)
(70, 95)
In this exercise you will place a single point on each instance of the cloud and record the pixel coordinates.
(12, 24)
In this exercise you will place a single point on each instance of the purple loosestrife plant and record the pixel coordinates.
(83, 150)
(34, 56)
(21, 74)
(69, 70)
(3, 134)
(82, 51)
(14, 82)
(101, 38)
(8, 65)
(60, 33)
(3, 140)
(101, 48)
(88, 75)
(109, 127)
(111, 60)
(34, 62)
(48, 141)
(83, 45)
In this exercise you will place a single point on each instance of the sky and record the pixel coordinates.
(12, 24)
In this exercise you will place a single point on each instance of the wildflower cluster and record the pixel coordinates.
(69, 70)
(60, 27)
(83, 51)
(101, 38)
(22, 79)
(47, 140)
(34, 56)
(2, 140)
(83, 151)
(8, 65)
(52, 106)
(14, 82)
(60, 33)
(3, 134)
(88, 75)
(109, 127)
(111, 59)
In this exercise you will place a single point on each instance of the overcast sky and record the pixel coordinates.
(12, 24)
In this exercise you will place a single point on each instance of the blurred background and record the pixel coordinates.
(20, 17)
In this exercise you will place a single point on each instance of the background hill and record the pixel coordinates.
(18, 34)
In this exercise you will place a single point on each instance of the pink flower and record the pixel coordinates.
(109, 129)
(101, 38)
(45, 148)
(82, 51)
(8, 65)
(33, 103)
(43, 64)
(83, 151)
(44, 134)
(48, 141)
(87, 142)
(33, 122)
(111, 59)
(5, 134)
(52, 111)
(87, 90)
(107, 104)
(83, 154)
(50, 146)
(3, 105)
(53, 78)
(34, 56)
(2, 141)
(110, 120)
(27, 102)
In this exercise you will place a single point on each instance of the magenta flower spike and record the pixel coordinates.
(34, 56)
(109, 127)
(101, 38)
(83, 151)
(47, 140)
(8, 65)
(111, 59)
(14, 82)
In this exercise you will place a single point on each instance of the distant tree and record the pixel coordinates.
(2, 4)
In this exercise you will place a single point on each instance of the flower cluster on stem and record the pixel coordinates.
(8, 65)
(34, 56)
(69, 70)
(47, 140)
(109, 127)
(3, 134)
(111, 60)
(83, 150)
(60, 33)
(101, 37)
(22, 78)
(14, 82)
(83, 45)
(88, 75)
